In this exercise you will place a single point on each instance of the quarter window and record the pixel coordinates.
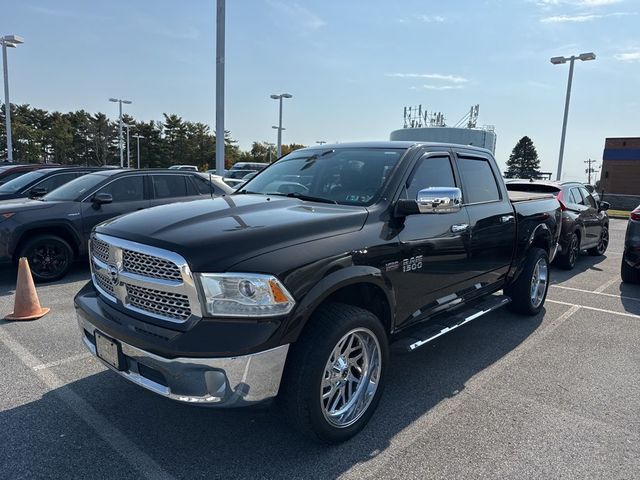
(578, 196)
(587, 196)
(430, 172)
(479, 184)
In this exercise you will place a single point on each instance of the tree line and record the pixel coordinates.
(83, 138)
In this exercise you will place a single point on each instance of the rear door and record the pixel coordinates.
(592, 222)
(129, 195)
(492, 221)
(433, 246)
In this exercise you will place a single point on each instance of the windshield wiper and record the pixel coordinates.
(308, 198)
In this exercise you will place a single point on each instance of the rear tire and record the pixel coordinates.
(629, 274)
(50, 257)
(320, 382)
(603, 243)
(568, 259)
(529, 291)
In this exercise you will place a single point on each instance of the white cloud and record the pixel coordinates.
(441, 87)
(577, 3)
(296, 14)
(628, 56)
(430, 76)
(582, 18)
(430, 18)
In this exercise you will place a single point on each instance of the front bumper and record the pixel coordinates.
(222, 382)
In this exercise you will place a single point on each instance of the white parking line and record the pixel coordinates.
(606, 285)
(139, 460)
(613, 295)
(612, 312)
(72, 358)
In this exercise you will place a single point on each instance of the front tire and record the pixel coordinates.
(603, 243)
(529, 291)
(335, 373)
(50, 257)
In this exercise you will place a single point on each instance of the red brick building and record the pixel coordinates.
(620, 172)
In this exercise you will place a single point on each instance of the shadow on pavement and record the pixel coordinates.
(192, 442)
(630, 297)
(585, 262)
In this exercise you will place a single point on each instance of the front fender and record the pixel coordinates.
(330, 284)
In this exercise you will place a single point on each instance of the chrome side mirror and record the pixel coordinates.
(439, 200)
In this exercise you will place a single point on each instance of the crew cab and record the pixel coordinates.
(51, 232)
(298, 284)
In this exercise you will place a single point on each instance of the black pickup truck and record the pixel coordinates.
(298, 284)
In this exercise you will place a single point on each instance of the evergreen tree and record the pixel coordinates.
(523, 161)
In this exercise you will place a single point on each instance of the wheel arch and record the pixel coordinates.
(63, 231)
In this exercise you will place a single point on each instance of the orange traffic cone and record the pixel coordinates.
(27, 306)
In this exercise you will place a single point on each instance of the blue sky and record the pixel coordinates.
(350, 65)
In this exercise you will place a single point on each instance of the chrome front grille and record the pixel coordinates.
(173, 305)
(149, 266)
(145, 279)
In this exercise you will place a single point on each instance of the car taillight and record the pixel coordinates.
(635, 215)
(563, 207)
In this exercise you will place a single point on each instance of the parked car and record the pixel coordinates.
(53, 231)
(235, 178)
(9, 171)
(191, 168)
(39, 182)
(250, 166)
(286, 289)
(585, 223)
(630, 269)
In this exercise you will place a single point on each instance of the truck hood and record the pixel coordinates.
(214, 234)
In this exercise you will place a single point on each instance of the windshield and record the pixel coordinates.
(75, 188)
(348, 176)
(15, 185)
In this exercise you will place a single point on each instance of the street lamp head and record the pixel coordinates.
(126, 101)
(587, 56)
(113, 99)
(275, 97)
(12, 40)
(558, 60)
(286, 95)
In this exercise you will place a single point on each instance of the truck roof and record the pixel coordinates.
(392, 144)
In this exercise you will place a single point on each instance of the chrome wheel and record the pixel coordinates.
(573, 250)
(539, 282)
(351, 376)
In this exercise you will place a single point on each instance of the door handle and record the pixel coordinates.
(506, 218)
(459, 227)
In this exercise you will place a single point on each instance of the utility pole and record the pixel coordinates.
(220, 88)
(120, 102)
(590, 169)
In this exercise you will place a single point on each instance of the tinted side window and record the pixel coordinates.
(578, 196)
(169, 186)
(204, 188)
(430, 172)
(570, 197)
(127, 189)
(55, 181)
(479, 184)
(589, 199)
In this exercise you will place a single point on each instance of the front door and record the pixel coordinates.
(128, 195)
(433, 246)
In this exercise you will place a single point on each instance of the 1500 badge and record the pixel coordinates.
(411, 264)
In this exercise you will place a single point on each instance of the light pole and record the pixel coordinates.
(279, 127)
(120, 102)
(270, 149)
(138, 137)
(127, 126)
(220, 87)
(8, 41)
(320, 142)
(559, 61)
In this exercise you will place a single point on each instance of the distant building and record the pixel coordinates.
(478, 137)
(620, 172)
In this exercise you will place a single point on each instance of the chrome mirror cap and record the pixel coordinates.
(439, 200)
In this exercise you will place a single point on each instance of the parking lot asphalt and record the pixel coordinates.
(551, 396)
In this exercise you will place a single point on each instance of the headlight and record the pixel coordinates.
(244, 295)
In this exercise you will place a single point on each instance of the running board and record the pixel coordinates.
(426, 334)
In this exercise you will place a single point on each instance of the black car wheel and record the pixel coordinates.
(568, 259)
(335, 373)
(50, 257)
(529, 291)
(629, 274)
(603, 243)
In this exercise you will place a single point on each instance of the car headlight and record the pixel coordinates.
(244, 295)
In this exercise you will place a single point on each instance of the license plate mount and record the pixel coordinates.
(109, 351)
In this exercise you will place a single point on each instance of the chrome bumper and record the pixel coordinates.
(221, 382)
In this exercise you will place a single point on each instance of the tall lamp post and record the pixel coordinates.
(138, 137)
(279, 127)
(558, 61)
(120, 102)
(270, 149)
(127, 126)
(8, 41)
(321, 142)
